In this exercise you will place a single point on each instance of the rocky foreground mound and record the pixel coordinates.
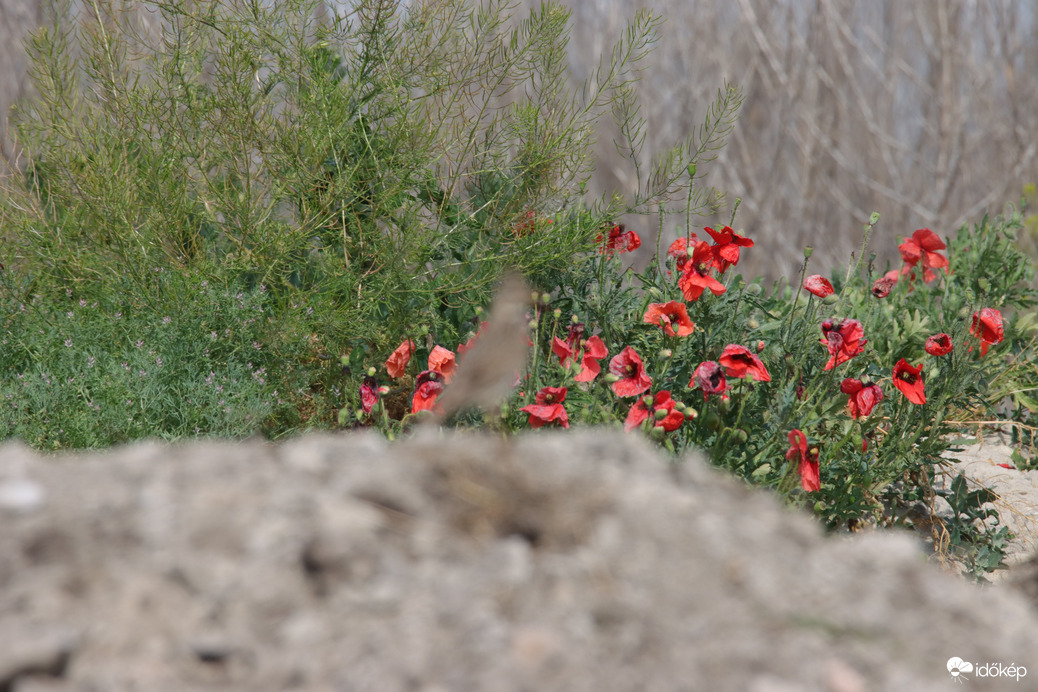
(550, 562)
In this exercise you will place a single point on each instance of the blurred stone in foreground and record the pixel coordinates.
(460, 562)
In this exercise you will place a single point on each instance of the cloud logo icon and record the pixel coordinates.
(956, 666)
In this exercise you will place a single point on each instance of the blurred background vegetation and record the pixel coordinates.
(926, 112)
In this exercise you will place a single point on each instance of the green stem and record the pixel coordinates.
(796, 299)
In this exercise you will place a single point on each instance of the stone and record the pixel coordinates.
(455, 561)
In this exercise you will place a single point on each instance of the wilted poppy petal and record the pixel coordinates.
(398, 360)
(818, 285)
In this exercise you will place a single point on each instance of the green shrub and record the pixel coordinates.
(376, 171)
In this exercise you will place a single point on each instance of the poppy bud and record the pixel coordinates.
(874, 218)
(371, 371)
(808, 251)
(754, 289)
(574, 319)
(534, 297)
(557, 314)
(660, 414)
(479, 310)
(532, 324)
(964, 312)
(655, 292)
(647, 399)
(983, 284)
(610, 378)
(666, 354)
(752, 323)
(712, 420)
(760, 346)
(344, 416)
(725, 405)
(830, 299)
(690, 413)
(657, 432)
(1009, 232)
(741, 436)
(819, 506)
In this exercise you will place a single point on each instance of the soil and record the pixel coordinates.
(989, 462)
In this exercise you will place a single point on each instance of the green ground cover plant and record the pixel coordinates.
(238, 218)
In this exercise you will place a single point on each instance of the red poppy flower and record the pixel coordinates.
(368, 394)
(628, 366)
(428, 387)
(528, 224)
(726, 250)
(678, 250)
(807, 461)
(843, 339)
(881, 289)
(666, 315)
(939, 345)
(594, 351)
(443, 361)
(639, 412)
(738, 361)
(861, 397)
(909, 381)
(987, 326)
(463, 348)
(619, 240)
(818, 285)
(567, 350)
(695, 277)
(588, 351)
(398, 360)
(549, 408)
(709, 377)
(923, 245)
